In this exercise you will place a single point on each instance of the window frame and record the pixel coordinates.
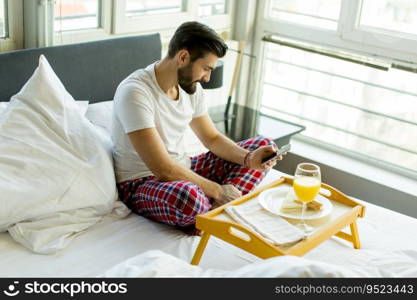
(402, 42)
(83, 35)
(343, 38)
(39, 14)
(329, 38)
(163, 22)
(346, 37)
(6, 21)
(14, 19)
(122, 24)
(219, 22)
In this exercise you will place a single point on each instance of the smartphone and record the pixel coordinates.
(282, 150)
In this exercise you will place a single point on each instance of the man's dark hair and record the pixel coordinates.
(198, 39)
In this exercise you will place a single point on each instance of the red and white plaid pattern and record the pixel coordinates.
(179, 202)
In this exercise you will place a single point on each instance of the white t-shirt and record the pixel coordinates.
(140, 103)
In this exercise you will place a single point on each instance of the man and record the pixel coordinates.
(152, 109)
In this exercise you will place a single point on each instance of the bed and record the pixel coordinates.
(128, 245)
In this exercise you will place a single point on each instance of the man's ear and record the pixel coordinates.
(183, 57)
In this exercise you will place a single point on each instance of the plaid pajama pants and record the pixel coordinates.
(179, 202)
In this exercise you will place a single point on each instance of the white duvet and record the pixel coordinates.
(159, 264)
(56, 177)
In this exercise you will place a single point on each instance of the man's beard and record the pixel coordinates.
(185, 79)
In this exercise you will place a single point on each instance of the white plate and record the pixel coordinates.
(272, 199)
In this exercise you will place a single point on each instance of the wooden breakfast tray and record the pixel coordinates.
(217, 223)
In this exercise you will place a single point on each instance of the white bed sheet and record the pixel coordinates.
(387, 238)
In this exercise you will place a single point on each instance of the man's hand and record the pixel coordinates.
(255, 158)
(228, 192)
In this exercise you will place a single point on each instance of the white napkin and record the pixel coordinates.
(274, 228)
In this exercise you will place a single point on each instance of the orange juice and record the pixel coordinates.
(306, 188)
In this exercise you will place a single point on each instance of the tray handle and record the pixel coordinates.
(239, 236)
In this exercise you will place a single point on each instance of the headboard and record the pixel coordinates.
(89, 71)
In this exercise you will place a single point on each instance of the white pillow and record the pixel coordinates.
(82, 106)
(101, 114)
(3, 106)
(56, 178)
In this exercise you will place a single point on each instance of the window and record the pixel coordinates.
(3, 19)
(149, 15)
(386, 24)
(139, 8)
(11, 25)
(319, 13)
(391, 15)
(346, 105)
(211, 8)
(76, 14)
(77, 21)
(165, 15)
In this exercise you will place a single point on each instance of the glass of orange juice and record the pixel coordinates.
(306, 184)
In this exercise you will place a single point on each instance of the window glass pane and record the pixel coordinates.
(357, 108)
(152, 7)
(317, 13)
(3, 33)
(76, 14)
(211, 7)
(393, 15)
